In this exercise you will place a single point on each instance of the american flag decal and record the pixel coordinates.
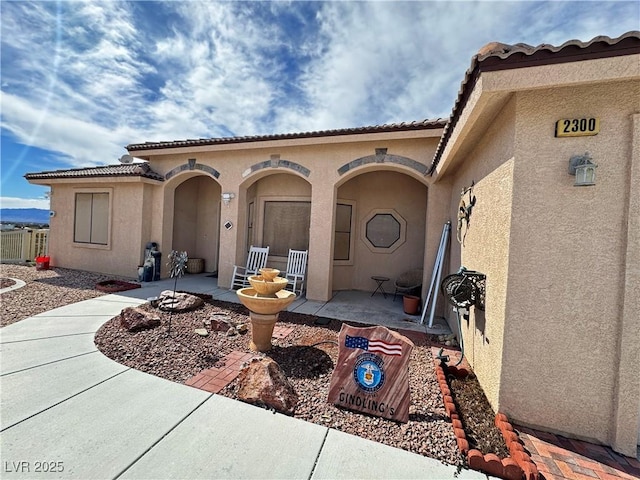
(373, 345)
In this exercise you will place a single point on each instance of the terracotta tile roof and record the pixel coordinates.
(499, 56)
(123, 170)
(393, 127)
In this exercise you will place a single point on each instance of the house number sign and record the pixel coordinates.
(577, 127)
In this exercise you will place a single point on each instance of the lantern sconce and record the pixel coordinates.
(227, 197)
(584, 170)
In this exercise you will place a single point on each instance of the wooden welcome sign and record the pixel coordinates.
(372, 372)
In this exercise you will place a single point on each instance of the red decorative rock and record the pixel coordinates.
(135, 319)
(457, 424)
(221, 324)
(262, 382)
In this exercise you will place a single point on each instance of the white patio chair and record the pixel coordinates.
(256, 260)
(296, 270)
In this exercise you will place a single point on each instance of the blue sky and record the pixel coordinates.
(80, 80)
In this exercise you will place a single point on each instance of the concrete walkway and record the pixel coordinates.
(67, 411)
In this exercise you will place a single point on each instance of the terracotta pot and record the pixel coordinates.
(411, 304)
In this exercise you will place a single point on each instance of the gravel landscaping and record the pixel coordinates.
(45, 290)
(307, 356)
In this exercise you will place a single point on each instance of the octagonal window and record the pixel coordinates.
(384, 231)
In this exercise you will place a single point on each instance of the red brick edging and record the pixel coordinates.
(515, 467)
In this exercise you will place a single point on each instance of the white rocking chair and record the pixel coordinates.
(256, 260)
(296, 270)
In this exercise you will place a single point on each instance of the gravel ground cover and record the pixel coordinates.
(45, 290)
(307, 356)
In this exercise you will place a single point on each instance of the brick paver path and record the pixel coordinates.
(559, 458)
(227, 368)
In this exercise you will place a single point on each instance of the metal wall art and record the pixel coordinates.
(464, 211)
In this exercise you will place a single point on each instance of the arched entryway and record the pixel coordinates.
(196, 219)
(380, 228)
(277, 214)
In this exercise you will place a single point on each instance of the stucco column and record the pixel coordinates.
(231, 240)
(438, 212)
(320, 268)
(626, 422)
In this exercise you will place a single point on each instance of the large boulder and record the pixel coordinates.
(135, 319)
(262, 382)
(171, 301)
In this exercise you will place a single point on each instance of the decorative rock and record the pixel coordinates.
(262, 382)
(135, 319)
(221, 323)
(202, 332)
(242, 328)
(231, 332)
(179, 301)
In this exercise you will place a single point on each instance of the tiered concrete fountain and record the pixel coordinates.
(265, 299)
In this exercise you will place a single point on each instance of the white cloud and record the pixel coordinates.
(13, 202)
(86, 78)
(84, 143)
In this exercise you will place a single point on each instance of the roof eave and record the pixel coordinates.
(430, 125)
(571, 51)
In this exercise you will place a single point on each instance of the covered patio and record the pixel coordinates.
(344, 305)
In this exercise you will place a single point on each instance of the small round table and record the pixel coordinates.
(380, 282)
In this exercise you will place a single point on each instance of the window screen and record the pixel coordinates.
(92, 218)
(286, 225)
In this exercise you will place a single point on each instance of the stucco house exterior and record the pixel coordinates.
(557, 346)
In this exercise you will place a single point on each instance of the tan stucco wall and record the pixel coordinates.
(196, 220)
(559, 350)
(122, 255)
(372, 192)
(486, 246)
(568, 248)
(238, 174)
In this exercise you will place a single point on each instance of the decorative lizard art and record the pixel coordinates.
(464, 212)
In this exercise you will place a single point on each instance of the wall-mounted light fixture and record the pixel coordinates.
(584, 170)
(227, 197)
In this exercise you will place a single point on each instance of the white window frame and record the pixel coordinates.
(99, 246)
